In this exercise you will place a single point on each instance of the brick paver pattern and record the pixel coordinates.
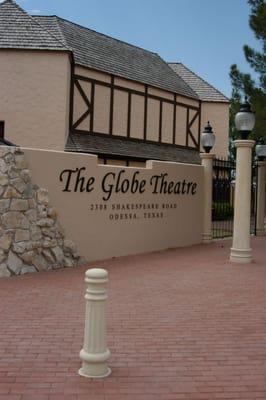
(182, 324)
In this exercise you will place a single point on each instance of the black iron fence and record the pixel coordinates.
(223, 197)
(254, 186)
(224, 173)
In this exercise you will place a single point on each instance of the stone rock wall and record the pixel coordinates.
(31, 238)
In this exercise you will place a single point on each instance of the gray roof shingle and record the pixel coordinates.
(18, 30)
(95, 50)
(105, 145)
(204, 90)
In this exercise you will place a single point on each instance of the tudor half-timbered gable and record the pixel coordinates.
(122, 94)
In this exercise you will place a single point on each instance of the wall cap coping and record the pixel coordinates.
(244, 143)
(205, 156)
(261, 163)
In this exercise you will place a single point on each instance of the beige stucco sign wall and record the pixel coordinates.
(113, 211)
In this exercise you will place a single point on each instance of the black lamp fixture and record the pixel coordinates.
(207, 138)
(245, 120)
(260, 150)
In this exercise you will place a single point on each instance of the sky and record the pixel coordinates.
(205, 35)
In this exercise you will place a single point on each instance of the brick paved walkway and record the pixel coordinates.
(182, 324)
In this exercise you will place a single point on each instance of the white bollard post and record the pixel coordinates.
(95, 353)
(241, 251)
(207, 163)
(260, 230)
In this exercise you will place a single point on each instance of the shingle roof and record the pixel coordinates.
(204, 90)
(18, 30)
(95, 50)
(108, 146)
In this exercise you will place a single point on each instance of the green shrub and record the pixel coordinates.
(222, 211)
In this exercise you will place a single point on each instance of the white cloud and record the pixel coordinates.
(34, 11)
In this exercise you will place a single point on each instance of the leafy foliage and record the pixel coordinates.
(222, 211)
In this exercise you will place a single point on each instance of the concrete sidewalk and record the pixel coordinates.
(182, 324)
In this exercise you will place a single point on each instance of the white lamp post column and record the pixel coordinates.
(260, 231)
(207, 142)
(244, 121)
(207, 163)
(241, 251)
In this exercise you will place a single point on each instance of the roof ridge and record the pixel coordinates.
(64, 42)
(49, 33)
(199, 77)
(13, 4)
(18, 7)
(99, 33)
(185, 83)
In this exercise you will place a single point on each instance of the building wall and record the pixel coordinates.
(34, 103)
(218, 115)
(128, 116)
(113, 210)
(34, 100)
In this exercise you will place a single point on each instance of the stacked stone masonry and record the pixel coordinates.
(31, 237)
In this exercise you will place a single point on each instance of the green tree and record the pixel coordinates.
(244, 84)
